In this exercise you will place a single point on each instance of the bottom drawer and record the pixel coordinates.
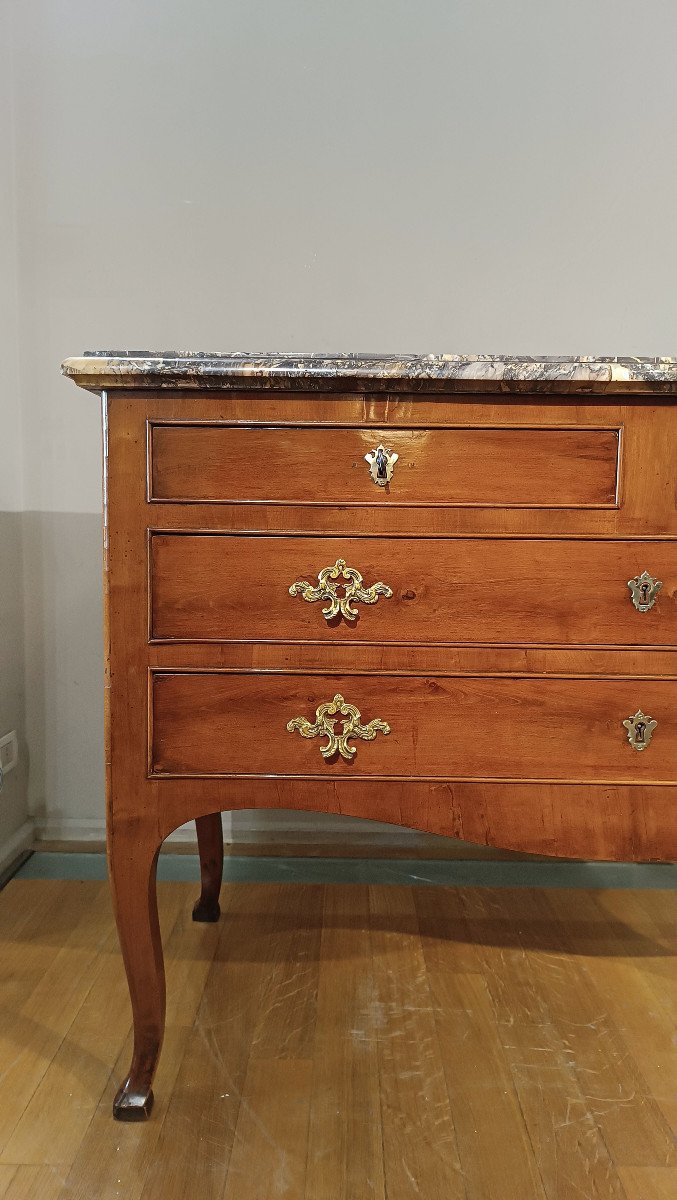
(402, 727)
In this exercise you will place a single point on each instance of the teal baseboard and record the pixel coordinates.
(428, 872)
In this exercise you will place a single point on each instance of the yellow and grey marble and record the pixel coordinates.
(104, 369)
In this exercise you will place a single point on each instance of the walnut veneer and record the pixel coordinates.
(480, 668)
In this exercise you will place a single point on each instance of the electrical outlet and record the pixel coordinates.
(9, 752)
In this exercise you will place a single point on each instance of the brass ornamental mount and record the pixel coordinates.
(381, 464)
(640, 728)
(325, 722)
(644, 589)
(346, 578)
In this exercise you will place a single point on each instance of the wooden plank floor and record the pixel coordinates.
(346, 1043)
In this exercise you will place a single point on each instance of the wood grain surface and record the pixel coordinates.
(644, 504)
(224, 723)
(327, 1043)
(462, 590)
(541, 467)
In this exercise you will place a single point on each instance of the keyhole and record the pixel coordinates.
(640, 729)
(645, 592)
(381, 464)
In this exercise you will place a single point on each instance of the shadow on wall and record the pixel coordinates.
(13, 809)
(64, 666)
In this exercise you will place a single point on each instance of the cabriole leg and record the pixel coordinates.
(210, 847)
(132, 862)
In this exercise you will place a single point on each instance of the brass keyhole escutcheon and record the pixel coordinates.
(643, 590)
(381, 464)
(640, 730)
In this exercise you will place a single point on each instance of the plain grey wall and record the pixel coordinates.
(296, 174)
(13, 796)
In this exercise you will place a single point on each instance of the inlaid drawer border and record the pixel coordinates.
(156, 422)
(200, 531)
(355, 673)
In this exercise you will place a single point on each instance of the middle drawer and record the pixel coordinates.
(502, 591)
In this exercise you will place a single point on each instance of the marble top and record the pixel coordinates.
(99, 369)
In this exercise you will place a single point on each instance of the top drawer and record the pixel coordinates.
(452, 466)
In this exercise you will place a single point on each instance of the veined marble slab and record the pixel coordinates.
(103, 369)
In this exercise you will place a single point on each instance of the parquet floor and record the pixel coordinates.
(346, 1043)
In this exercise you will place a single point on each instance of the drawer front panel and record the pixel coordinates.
(223, 587)
(557, 730)
(492, 467)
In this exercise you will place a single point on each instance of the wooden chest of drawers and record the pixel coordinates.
(440, 592)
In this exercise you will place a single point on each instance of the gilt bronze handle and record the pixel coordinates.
(353, 589)
(325, 722)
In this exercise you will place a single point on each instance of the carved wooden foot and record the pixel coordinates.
(204, 910)
(130, 1105)
(210, 847)
(132, 860)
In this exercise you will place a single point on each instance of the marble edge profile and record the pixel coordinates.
(113, 369)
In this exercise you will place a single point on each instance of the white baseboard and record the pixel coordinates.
(15, 845)
(248, 826)
(69, 829)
